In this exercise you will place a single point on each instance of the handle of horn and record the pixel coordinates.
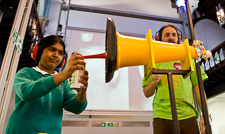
(103, 55)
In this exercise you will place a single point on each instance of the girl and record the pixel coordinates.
(41, 93)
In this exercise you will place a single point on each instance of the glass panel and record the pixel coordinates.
(221, 54)
(135, 124)
(207, 65)
(212, 63)
(75, 123)
(203, 66)
(217, 58)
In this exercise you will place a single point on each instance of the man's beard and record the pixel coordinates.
(171, 41)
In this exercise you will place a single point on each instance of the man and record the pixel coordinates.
(158, 84)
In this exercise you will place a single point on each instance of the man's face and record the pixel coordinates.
(169, 34)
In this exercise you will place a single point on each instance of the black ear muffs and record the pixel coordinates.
(34, 52)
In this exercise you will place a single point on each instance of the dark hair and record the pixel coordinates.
(160, 32)
(47, 42)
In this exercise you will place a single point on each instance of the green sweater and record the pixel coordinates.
(39, 103)
(182, 89)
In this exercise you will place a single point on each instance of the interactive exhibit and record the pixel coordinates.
(125, 51)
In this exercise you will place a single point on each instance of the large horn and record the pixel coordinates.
(125, 51)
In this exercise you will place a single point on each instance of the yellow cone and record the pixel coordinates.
(133, 51)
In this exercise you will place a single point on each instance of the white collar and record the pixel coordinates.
(43, 72)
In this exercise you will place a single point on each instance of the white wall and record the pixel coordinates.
(136, 127)
(125, 124)
(123, 24)
(210, 32)
(153, 7)
(217, 109)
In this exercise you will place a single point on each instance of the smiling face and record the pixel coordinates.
(51, 57)
(169, 34)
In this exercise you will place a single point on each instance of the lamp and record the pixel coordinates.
(180, 3)
(220, 14)
(63, 2)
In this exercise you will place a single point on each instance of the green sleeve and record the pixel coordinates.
(194, 78)
(29, 89)
(146, 82)
(70, 102)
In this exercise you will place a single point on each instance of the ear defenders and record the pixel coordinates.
(158, 36)
(34, 52)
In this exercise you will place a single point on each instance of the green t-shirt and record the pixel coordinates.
(183, 93)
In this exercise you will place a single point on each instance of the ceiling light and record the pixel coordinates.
(180, 3)
(220, 14)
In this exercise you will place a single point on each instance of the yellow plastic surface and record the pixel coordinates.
(134, 51)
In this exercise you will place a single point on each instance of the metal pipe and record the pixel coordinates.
(176, 128)
(68, 11)
(59, 19)
(122, 13)
(201, 87)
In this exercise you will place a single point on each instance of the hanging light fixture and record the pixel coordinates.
(220, 15)
(180, 3)
(63, 1)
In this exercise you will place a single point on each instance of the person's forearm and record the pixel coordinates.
(59, 78)
(149, 90)
(81, 97)
(198, 98)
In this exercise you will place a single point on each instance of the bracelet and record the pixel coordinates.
(203, 129)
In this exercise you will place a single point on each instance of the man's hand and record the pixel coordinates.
(150, 88)
(202, 126)
(156, 78)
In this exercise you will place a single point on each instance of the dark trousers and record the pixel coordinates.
(187, 126)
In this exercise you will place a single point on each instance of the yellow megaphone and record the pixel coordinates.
(125, 51)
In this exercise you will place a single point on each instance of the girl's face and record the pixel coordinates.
(51, 57)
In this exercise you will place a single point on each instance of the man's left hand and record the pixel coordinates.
(202, 126)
